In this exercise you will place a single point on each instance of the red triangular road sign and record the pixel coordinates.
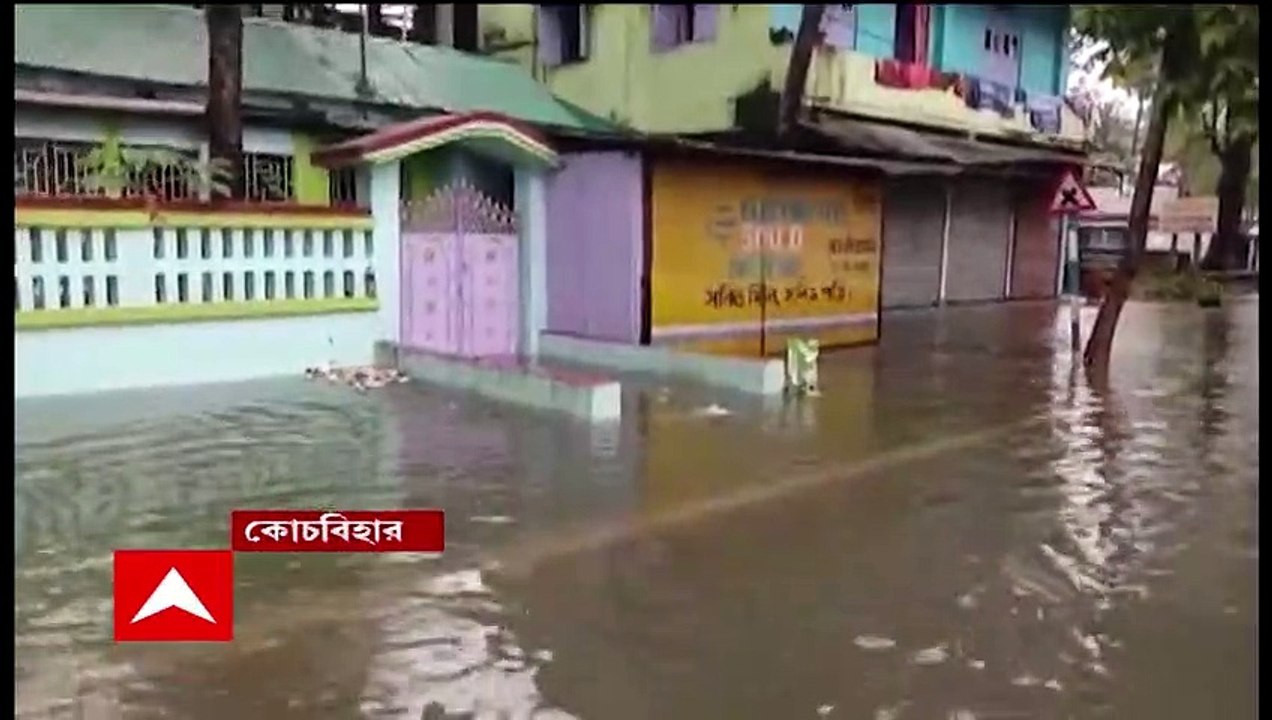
(1071, 195)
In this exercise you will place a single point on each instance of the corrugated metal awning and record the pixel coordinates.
(887, 167)
(861, 136)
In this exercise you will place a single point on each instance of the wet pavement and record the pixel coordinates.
(959, 527)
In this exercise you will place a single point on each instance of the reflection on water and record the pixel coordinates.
(962, 526)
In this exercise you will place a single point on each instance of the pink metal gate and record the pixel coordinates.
(459, 274)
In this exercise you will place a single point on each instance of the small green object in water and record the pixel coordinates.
(801, 365)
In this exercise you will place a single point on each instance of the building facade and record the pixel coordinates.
(682, 68)
(308, 268)
(694, 246)
(970, 95)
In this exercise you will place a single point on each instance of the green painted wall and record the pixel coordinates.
(426, 171)
(692, 88)
(311, 182)
(688, 89)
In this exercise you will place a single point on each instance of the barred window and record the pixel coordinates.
(343, 186)
(48, 168)
(268, 177)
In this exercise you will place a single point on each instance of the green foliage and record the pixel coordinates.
(112, 168)
(217, 175)
(1211, 68)
(1167, 285)
(1111, 134)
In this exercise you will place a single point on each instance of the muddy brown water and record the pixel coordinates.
(959, 527)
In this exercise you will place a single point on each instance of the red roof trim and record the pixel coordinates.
(351, 151)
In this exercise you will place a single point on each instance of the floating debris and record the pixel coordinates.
(891, 712)
(1026, 680)
(976, 664)
(712, 410)
(931, 656)
(825, 710)
(359, 378)
(491, 519)
(1053, 684)
(874, 642)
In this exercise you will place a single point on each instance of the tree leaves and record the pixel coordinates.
(1213, 68)
(112, 168)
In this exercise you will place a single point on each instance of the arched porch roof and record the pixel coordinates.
(485, 133)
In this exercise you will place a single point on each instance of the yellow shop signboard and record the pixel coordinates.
(739, 254)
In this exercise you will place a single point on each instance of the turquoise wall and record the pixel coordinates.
(876, 30)
(957, 32)
(961, 29)
(955, 40)
(1044, 64)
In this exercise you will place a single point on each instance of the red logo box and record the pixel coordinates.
(174, 595)
(418, 531)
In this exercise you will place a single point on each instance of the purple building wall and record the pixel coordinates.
(594, 246)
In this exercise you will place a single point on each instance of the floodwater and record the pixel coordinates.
(959, 527)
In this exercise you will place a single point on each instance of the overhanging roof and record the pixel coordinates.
(887, 167)
(108, 102)
(490, 134)
(878, 139)
(167, 45)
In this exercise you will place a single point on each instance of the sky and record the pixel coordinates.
(1101, 89)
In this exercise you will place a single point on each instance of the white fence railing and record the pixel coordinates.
(175, 269)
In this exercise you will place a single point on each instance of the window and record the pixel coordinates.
(674, 25)
(343, 186)
(45, 168)
(267, 177)
(999, 43)
(564, 32)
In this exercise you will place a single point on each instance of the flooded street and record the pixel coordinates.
(960, 527)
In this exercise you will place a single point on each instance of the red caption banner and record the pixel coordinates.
(338, 531)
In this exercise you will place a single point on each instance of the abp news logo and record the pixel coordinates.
(174, 595)
(188, 595)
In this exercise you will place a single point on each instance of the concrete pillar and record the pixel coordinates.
(386, 182)
(532, 221)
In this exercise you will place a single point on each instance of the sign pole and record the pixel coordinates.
(1071, 196)
(1073, 271)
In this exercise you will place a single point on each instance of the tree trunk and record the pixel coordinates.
(321, 15)
(464, 26)
(1227, 247)
(1100, 346)
(225, 90)
(1135, 134)
(797, 71)
(423, 25)
(375, 21)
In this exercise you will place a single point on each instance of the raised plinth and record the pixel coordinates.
(750, 375)
(515, 380)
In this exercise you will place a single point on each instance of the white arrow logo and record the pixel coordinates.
(173, 592)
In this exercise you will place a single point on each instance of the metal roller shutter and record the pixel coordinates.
(980, 233)
(913, 222)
